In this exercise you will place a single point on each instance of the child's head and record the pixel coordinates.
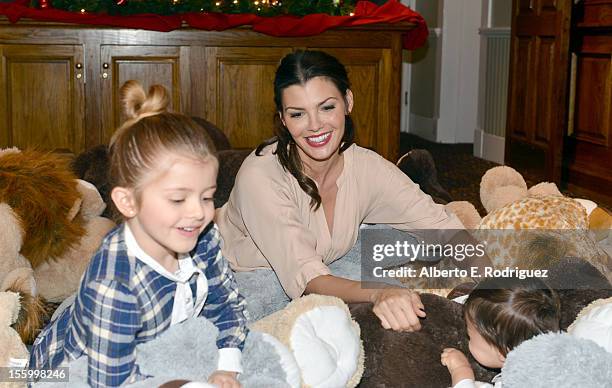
(163, 170)
(501, 313)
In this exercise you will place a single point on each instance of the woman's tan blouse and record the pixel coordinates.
(268, 222)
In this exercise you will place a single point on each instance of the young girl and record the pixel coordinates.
(500, 314)
(163, 264)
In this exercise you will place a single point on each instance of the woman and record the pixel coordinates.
(300, 198)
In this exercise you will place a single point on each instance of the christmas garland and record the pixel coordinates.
(172, 7)
(289, 18)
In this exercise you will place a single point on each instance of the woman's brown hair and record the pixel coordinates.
(509, 311)
(298, 68)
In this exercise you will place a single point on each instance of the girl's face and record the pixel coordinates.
(485, 353)
(314, 115)
(175, 206)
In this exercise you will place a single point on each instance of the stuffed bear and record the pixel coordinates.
(50, 228)
(419, 165)
(528, 228)
(311, 342)
(14, 353)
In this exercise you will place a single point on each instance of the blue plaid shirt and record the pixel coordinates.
(122, 302)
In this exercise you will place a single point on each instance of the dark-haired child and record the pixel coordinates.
(500, 314)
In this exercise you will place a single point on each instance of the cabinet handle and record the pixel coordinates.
(79, 67)
(572, 96)
(105, 66)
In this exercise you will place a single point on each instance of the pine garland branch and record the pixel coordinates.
(172, 7)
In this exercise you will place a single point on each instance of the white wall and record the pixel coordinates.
(442, 78)
(421, 75)
(489, 141)
(460, 64)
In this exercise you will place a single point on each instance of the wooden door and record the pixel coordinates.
(377, 97)
(42, 100)
(240, 92)
(588, 151)
(537, 95)
(164, 65)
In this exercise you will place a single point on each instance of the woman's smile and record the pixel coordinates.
(319, 140)
(314, 114)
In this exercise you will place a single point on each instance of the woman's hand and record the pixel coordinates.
(457, 364)
(224, 379)
(398, 308)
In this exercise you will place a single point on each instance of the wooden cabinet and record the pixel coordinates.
(538, 85)
(560, 94)
(373, 91)
(42, 100)
(240, 91)
(164, 65)
(60, 83)
(588, 144)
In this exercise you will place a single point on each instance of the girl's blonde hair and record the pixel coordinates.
(149, 132)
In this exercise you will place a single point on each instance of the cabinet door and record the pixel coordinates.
(376, 108)
(240, 92)
(42, 97)
(537, 90)
(164, 65)
(588, 154)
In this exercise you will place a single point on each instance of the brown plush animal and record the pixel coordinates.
(49, 228)
(412, 359)
(42, 191)
(58, 279)
(419, 165)
(530, 228)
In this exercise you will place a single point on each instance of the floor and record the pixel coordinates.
(459, 172)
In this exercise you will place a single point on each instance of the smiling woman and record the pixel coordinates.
(314, 115)
(300, 198)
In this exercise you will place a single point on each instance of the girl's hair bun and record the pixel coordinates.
(137, 104)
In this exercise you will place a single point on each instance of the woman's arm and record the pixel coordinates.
(397, 308)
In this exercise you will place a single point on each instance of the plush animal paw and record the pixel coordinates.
(594, 323)
(322, 337)
(14, 352)
(557, 360)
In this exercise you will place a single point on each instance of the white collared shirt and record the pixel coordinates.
(184, 306)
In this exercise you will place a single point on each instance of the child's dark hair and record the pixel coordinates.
(508, 311)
